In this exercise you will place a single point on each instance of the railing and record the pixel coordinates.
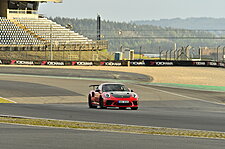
(83, 46)
(77, 46)
(10, 11)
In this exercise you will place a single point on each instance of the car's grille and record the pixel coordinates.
(124, 104)
(121, 96)
(109, 102)
(135, 102)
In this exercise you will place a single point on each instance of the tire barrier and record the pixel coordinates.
(152, 63)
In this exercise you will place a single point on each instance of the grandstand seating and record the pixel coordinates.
(31, 31)
(49, 30)
(11, 34)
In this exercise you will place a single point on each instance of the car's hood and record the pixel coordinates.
(121, 94)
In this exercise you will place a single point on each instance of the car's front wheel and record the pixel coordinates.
(101, 104)
(90, 103)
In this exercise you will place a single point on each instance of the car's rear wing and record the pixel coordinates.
(94, 86)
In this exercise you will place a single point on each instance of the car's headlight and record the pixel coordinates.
(107, 95)
(135, 95)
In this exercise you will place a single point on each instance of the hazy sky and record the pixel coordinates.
(127, 10)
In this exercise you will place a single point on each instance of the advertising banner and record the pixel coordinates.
(13, 62)
(111, 63)
(221, 64)
(7, 62)
(73, 63)
(212, 64)
(115, 63)
(164, 63)
(160, 63)
(24, 62)
(96, 63)
(183, 63)
(83, 63)
(55, 63)
(37, 62)
(68, 63)
(199, 63)
(43, 62)
(137, 63)
(49, 63)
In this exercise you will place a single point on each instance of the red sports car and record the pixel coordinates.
(112, 95)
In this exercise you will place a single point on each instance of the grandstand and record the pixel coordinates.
(23, 29)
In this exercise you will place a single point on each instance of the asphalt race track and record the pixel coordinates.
(25, 137)
(65, 98)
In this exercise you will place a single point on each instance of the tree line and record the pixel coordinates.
(130, 35)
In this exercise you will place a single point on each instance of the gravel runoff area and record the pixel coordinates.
(181, 75)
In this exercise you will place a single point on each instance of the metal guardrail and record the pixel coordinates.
(85, 46)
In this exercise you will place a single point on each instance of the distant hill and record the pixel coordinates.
(189, 23)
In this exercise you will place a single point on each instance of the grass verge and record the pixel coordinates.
(190, 86)
(113, 127)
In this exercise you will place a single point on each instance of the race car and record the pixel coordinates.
(112, 95)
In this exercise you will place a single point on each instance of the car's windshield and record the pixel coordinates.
(114, 87)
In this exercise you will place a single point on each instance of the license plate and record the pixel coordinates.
(123, 101)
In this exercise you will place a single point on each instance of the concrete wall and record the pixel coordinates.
(14, 15)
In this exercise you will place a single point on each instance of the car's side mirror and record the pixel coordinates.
(131, 90)
(97, 90)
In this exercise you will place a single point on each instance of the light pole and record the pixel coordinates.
(223, 53)
(80, 52)
(92, 53)
(200, 53)
(98, 27)
(217, 50)
(171, 54)
(70, 27)
(120, 34)
(160, 53)
(51, 44)
(192, 52)
(140, 52)
(160, 56)
(174, 54)
(186, 52)
(178, 52)
(167, 53)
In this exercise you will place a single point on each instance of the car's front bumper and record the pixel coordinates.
(116, 103)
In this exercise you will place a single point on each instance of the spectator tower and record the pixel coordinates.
(22, 28)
